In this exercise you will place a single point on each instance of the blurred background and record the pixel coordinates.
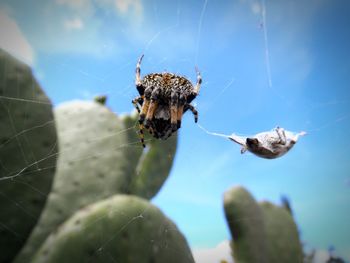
(263, 64)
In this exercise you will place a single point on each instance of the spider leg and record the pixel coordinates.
(199, 82)
(138, 71)
(174, 110)
(193, 110)
(152, 107)
(144, 110)
(146, 104)
(180, 110)
(150, 113)
(141, 135)
(138, 100)
(142, 116)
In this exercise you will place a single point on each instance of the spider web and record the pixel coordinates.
(220, 87)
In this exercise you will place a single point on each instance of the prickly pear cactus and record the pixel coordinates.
(153, 166)
(90, 167)
(122, 228)
(261, 232)
(283, 239)
(245, 220)
(28, 153)
(97, 160)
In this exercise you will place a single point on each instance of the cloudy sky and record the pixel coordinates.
(264, 63)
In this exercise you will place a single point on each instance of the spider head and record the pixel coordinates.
(161, 128)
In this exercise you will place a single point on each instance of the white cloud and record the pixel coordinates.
(12, 39)
(85, 26)
(78, 7)
(222, 252)
(256, 8)
(214, 255)
(321, 256)
(74, 4)
(121, 7)
(73, 24)
(127, 6)
(74, 27)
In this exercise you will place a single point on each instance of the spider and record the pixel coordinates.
(164, 98)
(270, 144)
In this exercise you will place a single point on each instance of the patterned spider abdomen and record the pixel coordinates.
(167, 83)
(168, 91)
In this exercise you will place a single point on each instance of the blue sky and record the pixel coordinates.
(81, 48)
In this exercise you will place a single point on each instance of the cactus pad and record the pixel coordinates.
(91, 165)
(119, 229)
(245, 220)
(261, 232)
(28, 153)
(149, 168)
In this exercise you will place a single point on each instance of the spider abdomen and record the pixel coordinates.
(167, 83)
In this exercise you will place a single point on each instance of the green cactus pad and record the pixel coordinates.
(119, 229)
(282, 233)
(154, 167)
(261, 232)
(149, 168)
(135, 149)
(245, 220)
(92, 165)
(101, 99)
(28, 153)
